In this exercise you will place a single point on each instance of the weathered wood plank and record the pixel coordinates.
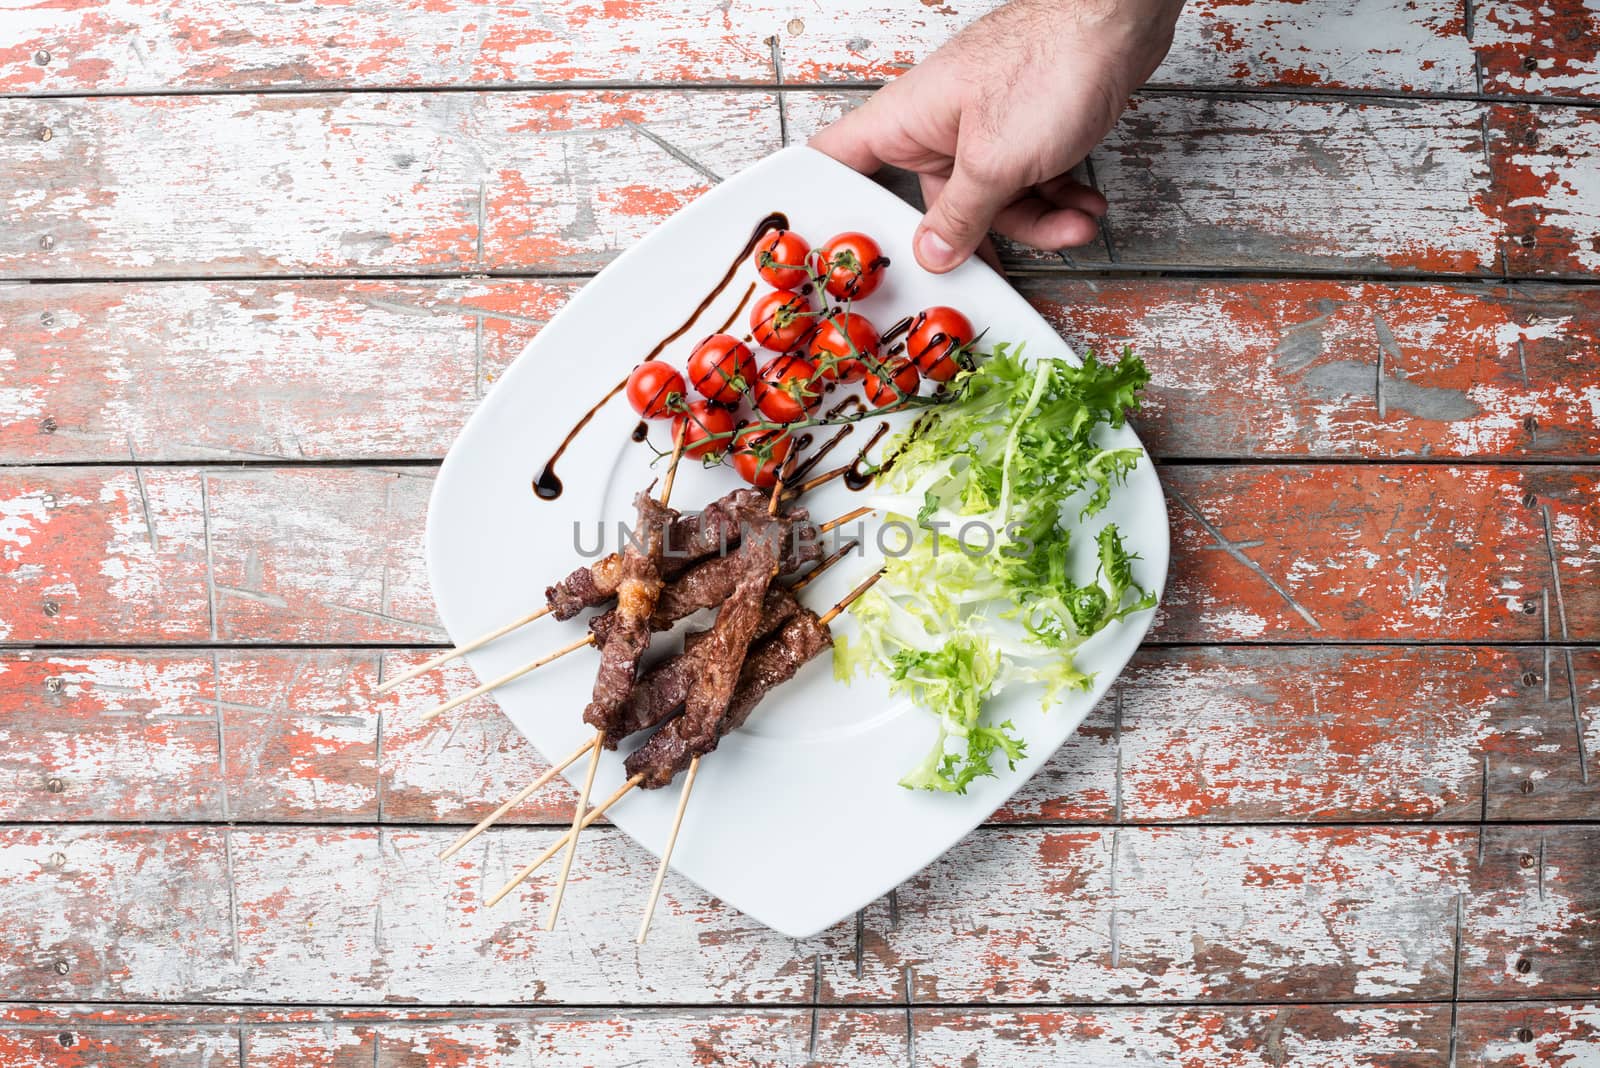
(363, 915)
(1394, 1036)
(1207, 181)
(1380, 552)
(1532, 924)
(324, 915)
(1527, 1035)
(406, 182)
(1541, 47)
(332, 370)
(1290, 552)
(62, 1036)
(1488, 1035)
(182, 44)
(1547, 187)
(1284, 368)
(302, 370)
(1169, 914)
(524, 181)
(1191, 735)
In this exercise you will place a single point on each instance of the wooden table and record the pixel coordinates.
(264, 259)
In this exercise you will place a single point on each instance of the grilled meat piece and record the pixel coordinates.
(687, 538)
(711, 582)
(803, 638)
(637, 589)
(662, 689)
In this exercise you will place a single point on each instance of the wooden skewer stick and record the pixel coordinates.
(623, 790)
(521, 795)
(822, 565)
(666, 854)
(819, 480)
(694, 769)
(831, 524)
(600, 735)
(528, 791)
(510, 676)
(555, 847)
(450, 654)
(577, 825)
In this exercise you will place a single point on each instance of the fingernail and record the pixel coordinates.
(933, 251)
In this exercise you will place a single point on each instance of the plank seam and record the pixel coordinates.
(1071, 269)
(1553, 101)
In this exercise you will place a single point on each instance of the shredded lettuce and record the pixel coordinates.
(952, 622)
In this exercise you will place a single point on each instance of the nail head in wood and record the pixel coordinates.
(48, 424)
(1526, 860)
(42, 58)
(1525, 1035)
(1529, 423)
(62, 967)
(66, 1039)
(1530, 63)
(47, 319)
(1524, 966)
(58, 859)
(1530, 678)
(52, 608)
(53, 684)
(1529, 500)
(55, 786)
(796, 26)
(47, 242)
(45, 133)
(1527, 786)
(1530, 607)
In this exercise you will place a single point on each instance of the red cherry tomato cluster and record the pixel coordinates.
(815, 341)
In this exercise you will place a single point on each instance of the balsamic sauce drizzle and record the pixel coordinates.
(859, 478)
(546, 484)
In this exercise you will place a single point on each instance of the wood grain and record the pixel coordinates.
(369, 370)
(1527, 1034)
(1290, 552)
(1532, 928)
(1380, 552)
(551, 181)
(1206, 735)
(341, 183)
(1185, 914)
(1544, 47)
(179, 45)
(1491, 1035)
(1546, 163)
(1270, 182)
(1395, 1036)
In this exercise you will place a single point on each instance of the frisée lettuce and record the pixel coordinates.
(1010, 454)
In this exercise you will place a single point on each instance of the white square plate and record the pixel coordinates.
(796, 820)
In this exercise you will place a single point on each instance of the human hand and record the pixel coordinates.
(993, 122)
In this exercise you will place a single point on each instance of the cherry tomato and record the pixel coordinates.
(786, 388)
(880, 393)
(852, 266)
(758, 454)
(704, 428)
(935, 336)
(655, 389)
(781, 259)
(843, 340)
(721, 368)
(782, 321)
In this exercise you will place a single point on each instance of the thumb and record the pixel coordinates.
(958, 220)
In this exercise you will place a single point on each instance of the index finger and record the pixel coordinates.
(849, 140)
